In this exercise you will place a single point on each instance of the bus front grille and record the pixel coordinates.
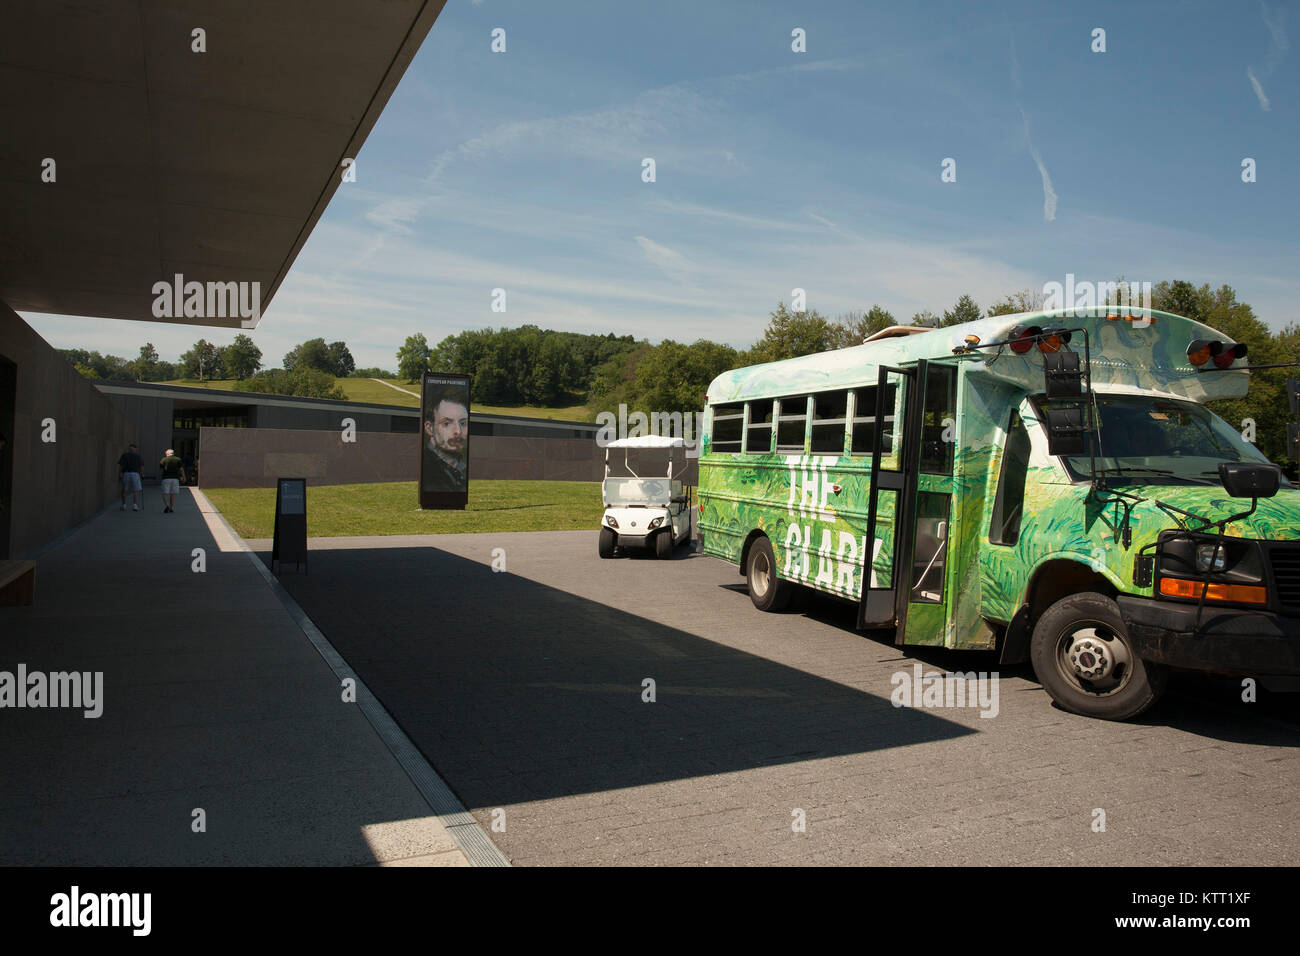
(1286, 574)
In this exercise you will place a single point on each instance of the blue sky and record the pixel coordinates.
(776, 170)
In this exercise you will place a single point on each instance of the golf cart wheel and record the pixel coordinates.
(664, 544)
(766, 590)
(1084, 658)
(608, 540)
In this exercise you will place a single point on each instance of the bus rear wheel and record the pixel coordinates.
(766, 590)
(608, 539)
(1084, 659)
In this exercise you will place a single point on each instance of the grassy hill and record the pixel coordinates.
(371, 391)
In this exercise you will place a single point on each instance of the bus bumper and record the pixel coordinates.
(1229, 641)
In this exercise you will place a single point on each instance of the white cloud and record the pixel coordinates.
(673, 263)
(1259, 90)
(1049, 193)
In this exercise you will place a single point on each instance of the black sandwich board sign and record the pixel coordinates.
(290, 523)
(444, 440)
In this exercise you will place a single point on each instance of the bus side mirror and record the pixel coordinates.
(1065, 430)
(1062, 377)
(1249, 481)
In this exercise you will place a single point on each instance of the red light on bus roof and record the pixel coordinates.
(1053, 340)
(1229, 354)
(1022, 340)
(1199, 352)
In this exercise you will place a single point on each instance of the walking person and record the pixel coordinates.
(173, 473)
(130, 465)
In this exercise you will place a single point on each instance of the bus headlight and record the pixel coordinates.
(1211, 557)
(656, 522)
(613, 522)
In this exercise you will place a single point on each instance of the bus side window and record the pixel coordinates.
(758, 438)
(937, 442)
(728, 422)
(792, 426)
(864, 420)
(829, 416)
(1005, 526)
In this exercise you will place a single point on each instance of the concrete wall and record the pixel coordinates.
(153, 419)
(59, 484)
(255, 457)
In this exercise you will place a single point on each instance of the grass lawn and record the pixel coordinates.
(391, 508)
(371, 391)
(226, 383)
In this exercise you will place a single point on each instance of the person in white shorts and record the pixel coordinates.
(130, 465)
(173, 473)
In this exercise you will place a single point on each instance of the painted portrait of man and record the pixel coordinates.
(446, 441)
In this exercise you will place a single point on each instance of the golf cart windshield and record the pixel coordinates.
(623, 492)
(643, 471)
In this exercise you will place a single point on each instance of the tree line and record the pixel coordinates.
(309, 368)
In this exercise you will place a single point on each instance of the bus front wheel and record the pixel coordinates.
(766, 590)
(1085, 661)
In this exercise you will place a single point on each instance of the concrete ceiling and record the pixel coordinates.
(214, 165)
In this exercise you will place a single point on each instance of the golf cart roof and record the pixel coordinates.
(648, 441)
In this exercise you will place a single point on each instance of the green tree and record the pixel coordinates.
(413, 357)
(313, 353)
(340, 360)
(1017, 302)
(200, 361)
(853, 327)
(965, 310)
(146, 366)
(301, 381)
(790, 334)
(926, 319)
(242, 358)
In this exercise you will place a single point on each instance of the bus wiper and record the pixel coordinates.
(1122, 470)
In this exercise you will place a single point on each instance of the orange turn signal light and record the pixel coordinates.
(1236, 593)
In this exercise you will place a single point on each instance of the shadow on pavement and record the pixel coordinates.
(517, 691)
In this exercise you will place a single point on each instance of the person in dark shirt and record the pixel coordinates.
(173, 473)
(130, 464)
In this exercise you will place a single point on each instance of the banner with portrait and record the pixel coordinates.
(444, 440)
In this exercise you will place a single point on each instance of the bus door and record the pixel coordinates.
(930, 598)
(893, 486)
(917, 481)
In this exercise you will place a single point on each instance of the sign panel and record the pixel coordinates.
(290, 542)
(444, 440)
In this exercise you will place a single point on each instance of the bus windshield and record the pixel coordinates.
(1158, 441)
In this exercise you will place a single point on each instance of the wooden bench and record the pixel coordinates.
(17, 582)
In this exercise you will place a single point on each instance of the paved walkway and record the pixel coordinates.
(214, 700)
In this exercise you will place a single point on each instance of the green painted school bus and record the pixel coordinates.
(1048, 484)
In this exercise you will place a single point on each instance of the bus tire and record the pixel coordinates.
(608, 540)
(1083, 657)
(664, 544)
(766, 590)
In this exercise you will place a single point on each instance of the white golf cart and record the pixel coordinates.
(646, 511)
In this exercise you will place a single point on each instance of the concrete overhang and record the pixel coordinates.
(215, 165)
